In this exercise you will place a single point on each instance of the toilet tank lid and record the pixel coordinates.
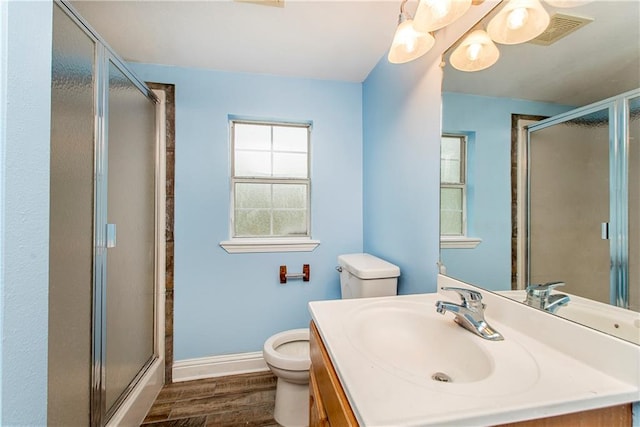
(366, 266)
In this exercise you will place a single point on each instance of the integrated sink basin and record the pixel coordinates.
(411, 340)
(401, 363)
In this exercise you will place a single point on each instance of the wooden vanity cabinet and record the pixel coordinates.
(328, 404)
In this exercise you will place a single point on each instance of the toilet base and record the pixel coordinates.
(292, 404)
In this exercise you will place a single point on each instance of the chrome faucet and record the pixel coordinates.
(539, 296)
(470, 313)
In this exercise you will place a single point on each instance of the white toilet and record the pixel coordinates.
(287, 353)
(364, 276)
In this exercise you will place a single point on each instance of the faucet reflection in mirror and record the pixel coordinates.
(539, 296)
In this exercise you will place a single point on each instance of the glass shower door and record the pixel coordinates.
(71, 213)
(633, 137)
(130, 278)
(569, 203)
(102, 249)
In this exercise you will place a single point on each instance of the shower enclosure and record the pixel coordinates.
(104, 151)
(583, 196)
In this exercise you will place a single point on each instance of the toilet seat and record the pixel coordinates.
(283, 351)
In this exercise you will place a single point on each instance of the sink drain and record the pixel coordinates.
(442, 377)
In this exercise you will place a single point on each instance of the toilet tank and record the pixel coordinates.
(364, 275)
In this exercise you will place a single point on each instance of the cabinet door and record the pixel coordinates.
(317, 415)
(327, 385)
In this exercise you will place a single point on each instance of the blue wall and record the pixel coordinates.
(231, 303)
(489, 264)
(401, 107)
(25, 88)
(401, 151)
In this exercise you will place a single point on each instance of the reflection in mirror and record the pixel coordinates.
(633, 117)
(491, 108)
(569, 205)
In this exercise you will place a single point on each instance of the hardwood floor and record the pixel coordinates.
(238, 400)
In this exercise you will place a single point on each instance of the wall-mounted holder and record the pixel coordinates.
(304, 275)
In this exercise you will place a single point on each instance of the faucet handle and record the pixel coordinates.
(468, 296)
(544, 289)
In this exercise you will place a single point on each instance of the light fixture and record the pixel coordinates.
(567, 3)
(434, 14)
(518, 22)
(476, 52)
(408, 44)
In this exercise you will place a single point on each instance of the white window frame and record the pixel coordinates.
(459, 241)
(239, 244)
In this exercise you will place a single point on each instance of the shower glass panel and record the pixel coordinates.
(71, 223)
(131, 207)
(634, 202)
(568, 203)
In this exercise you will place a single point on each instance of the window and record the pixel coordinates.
(452, 185)
(270, 185)
(453, 193)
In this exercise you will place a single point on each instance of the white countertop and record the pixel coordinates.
(381, 395)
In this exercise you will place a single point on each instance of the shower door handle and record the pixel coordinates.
(111, 236)
(604, 230)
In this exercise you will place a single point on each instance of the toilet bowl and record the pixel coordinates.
(287, 355)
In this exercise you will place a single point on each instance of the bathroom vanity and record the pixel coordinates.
(369, 368)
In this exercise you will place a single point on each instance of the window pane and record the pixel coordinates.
(253, 222)
(253, 195)
(451, 223)
(253, 163)
(289, 196)
(290, 165)
(451, 211)
(289, 223)
(286, 138)
(451, 160)
(252, 137)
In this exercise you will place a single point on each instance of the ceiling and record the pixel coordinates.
(344, 40)
(325, 39)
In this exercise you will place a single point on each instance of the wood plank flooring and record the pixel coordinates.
(238, 400)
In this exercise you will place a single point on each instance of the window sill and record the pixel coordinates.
(459, 242)
(239, 246)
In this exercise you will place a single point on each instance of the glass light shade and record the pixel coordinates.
(518, 22)
(475, 53)
(409, 44)
(434, 14)
(567, 3)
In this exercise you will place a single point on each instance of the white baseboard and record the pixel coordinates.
(218, 366)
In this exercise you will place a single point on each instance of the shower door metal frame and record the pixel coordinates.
(618, 229)
(99, 414)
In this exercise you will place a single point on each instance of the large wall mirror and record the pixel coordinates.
(495, 189)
